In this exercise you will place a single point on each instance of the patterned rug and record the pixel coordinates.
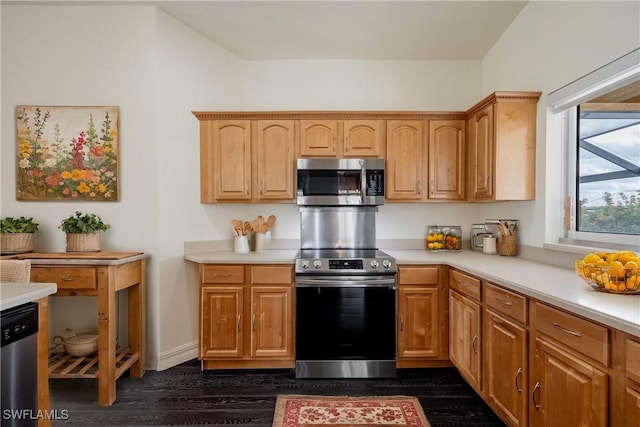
(301, 411)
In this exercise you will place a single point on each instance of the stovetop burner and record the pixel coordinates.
(344, 261)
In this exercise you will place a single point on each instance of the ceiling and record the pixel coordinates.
(365, 30)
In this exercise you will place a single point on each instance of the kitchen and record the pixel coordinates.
(192, 73)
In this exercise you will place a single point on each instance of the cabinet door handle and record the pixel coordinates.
(565, 330)
(473, 344)
(334, 144)
(238, 321)
(461, 283)
(253, 322)
(533, 395)
(420, 187)
(401, 323)
(505, 302)
(261, 187)
(433, 187)
(518, 373)
(247, 187)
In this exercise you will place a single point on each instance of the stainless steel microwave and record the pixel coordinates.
(340, 182)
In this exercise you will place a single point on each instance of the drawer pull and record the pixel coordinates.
(401, 323)
(461, 283)
(565, 330)
(66, 278)
(533, 395)
(221, 274)
(503, 301)
(473, 344)
(38, 277)
(518, 373)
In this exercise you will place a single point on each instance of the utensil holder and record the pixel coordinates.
(263, 241)
(508, 245)
(240, 245)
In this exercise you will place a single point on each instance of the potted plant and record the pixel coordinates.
(17, 234)
(83, 232)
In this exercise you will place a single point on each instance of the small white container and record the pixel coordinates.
(240, 245)
(263, 241)
(489, 245)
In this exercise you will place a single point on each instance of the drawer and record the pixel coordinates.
(222, 273)
(271, 275)
(418, 275)
(506, 302)
(67, 277)
(581, 335)
(632, 358)
(465, 284)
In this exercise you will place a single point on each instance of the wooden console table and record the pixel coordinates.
(100, 274)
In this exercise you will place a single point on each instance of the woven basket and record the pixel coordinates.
(13, 270)
(508, 246)
(16, 242)
(78, 345)
(83, 242)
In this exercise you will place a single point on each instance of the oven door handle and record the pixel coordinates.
(342, 283)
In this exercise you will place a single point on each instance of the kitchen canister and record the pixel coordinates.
(508, 245)
(240, 245)
(263, 241)
(489, 245)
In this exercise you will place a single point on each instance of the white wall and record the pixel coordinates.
(549, 45)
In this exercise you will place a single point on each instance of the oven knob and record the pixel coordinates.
(386, 263)
(317, 264)
(304, 264)
(374, 264)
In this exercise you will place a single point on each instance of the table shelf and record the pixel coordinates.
(63, 365)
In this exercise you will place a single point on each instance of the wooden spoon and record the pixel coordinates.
(246, 228)
(270, 221)
(233, 227)
(255, 226)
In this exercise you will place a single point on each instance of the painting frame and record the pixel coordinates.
(67, 153)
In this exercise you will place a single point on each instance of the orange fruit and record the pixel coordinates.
(627, 256)
(616, 269)
(631, 264)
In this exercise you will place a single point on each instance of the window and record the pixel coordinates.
(608, 164)
(601, 112)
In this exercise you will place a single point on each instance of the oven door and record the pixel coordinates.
(345, 327)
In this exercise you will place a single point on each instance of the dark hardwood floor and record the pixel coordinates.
(184, 395)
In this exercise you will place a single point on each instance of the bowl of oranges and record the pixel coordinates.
(613, 272)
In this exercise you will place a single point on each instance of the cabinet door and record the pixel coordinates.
(418, 326)
(232, 159)
(464, 337)
(221, 322)
(271, 321)
(275, 151)
(481, 155)
(405, 172)
(363, 138)
(319, 138)
(505, 372)
(567, 390)
(446, 159)
(632, 407)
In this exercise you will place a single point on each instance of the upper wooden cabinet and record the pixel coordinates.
(501, 157)
(337, 138)
(247, 160)
(405, 160)
(446, 159)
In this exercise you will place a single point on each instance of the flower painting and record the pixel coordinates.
(67, 153)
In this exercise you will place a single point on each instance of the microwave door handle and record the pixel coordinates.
(363, 181)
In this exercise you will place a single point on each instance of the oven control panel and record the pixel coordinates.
(345, 264)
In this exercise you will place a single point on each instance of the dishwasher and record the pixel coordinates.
(19, 366)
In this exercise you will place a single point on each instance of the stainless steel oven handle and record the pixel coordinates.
(341, 283)
(363, 181)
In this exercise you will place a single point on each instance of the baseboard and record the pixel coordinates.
(175, 356)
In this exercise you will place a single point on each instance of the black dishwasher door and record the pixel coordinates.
(19, 366)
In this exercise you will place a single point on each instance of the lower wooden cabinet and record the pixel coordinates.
(465, 338)
(422, 322)
(246, 316)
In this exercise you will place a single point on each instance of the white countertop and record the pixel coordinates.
(557, 286)
(13, 294)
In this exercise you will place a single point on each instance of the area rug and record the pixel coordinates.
(301, 411)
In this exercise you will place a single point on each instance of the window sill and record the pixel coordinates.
(583, 246)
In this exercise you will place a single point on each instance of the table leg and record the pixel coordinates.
(44, 401)
(137, 323)
(106, 336)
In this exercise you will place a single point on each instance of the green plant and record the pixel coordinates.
(83, 224)
(18, 225)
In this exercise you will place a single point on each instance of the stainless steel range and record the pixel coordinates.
(345, 296)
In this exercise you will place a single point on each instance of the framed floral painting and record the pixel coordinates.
(67, 153)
